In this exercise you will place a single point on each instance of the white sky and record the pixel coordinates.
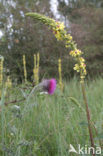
(1, 34)
(56, 13)
(54, 6)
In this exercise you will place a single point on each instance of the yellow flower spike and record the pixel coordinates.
(36, 68)
(68, 37)
(36, 76)
(60, 33)
(25, 71)
(60, 74)
(34, 61)
(60, 26)
(81, 59)
(57, 35)
(77, 67)
(8, 83)
(38, 59)
(76, 52)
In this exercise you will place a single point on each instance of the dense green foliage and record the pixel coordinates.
(87, 29)
(21, 35)
(46, 125)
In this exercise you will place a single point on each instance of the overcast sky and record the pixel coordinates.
(54, 8)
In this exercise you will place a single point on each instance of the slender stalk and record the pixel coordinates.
(88, 116)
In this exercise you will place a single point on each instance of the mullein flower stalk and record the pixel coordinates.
(36, 68)
(60, 74)
(8, 83)
(38, 60)
(60, 33)
(25, 71)
(1, 74)
(8, 86)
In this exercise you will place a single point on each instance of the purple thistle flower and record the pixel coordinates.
(52, 86)
(49, 85)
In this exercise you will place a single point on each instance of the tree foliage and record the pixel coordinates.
(86, 23)
(21, 35)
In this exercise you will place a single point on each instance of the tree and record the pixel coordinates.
(86, 25)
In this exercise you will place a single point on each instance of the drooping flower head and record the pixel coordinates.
(61, 34)
(49, 86)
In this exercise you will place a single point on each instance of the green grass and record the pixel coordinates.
(46, 125)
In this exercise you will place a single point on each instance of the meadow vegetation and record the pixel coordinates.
(45, 125)
(35, 123)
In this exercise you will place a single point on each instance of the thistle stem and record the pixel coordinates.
(88, 116)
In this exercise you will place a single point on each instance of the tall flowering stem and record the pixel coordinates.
(88, 115)
(60, 33)
(60, 74)
(36, 68)
(25, 71)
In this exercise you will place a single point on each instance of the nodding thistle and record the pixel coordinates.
(49, 86)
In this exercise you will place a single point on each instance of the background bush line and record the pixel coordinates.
(25, 36)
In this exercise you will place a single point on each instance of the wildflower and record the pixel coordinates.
(60, 25)
(61, 34)
(57, 34)
(77, 67)
(25, 71)
(60, 74)
(49, 85)
(68, 39)
(36, 68)
(82, 65)
(81, 59)
(75, 53)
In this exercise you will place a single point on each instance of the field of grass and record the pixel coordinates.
(46, 125)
